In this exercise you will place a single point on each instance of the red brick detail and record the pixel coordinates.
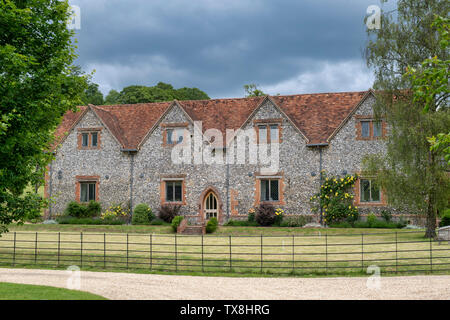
(162, 190)
(201, 202)
(89, 131)
(257, 198)
(357, 200)
(79, 179)
(234, 202)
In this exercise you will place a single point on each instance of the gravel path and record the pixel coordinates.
(151, 286)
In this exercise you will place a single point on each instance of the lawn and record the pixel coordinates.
(13, 291)
(248, 250)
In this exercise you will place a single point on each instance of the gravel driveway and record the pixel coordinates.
(150, 286)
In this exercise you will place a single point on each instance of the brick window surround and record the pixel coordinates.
(89, 132)
(172, 126)
(267, 123)
(357, 191)
(171, 178)
(280, 177)
(371, 120)
(92, 179)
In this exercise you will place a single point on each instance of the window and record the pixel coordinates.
(94, 136)
(87, 191)
(270, 190)
(268, 133)
(89, 138)
(365, 129)
(368, 128)
(174, 191)
(369, 191)
(377, 129)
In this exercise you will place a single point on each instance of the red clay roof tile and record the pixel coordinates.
(317, 116)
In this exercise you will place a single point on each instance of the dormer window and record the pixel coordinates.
(89, 138)
(367, 128)
(268, 130)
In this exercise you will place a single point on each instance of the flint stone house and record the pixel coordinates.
(122, 154)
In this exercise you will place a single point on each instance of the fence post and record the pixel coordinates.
(104, 250)
(35, 248)
(326, 253)
(176, 257)
(293, 253)
(431, 255)
(362, 252)
(81, 249)
(396, 252)
(59, 246)
(230, 251)
(261, 253)
(203, 270)
(151, 250)
(127, 250)
(14, 254)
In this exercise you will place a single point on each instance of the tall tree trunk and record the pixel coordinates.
(431, 221)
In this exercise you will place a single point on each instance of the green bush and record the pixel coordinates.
(343, 224)
(176, 222)
(251, 216)
(241, 223)
(158, 222)
(212, 225)
(445, 221)
(294, 221)
(371, 219)
(142, 214)
(81, 210)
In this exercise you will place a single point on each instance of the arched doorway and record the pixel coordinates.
(210, 206)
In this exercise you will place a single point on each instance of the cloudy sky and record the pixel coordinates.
(284, 46)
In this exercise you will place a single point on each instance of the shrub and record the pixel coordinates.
(88, 221)
(158, 222)
(93, 209)
(445, 221)
(142, 214)
(116, 212)
(176, 222)
(265, 215)
(168, 212)
(294, 221)
(386, 215)
(75, 209)
(335, 199)
(278, 216)
(212, 225)
(371, 219)
(251, 215)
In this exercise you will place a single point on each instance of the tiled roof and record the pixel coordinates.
(317, 116)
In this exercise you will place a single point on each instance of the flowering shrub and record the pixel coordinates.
(251, 215)
(278, 216)
(335, 199)
(116, 212)
(265, 215)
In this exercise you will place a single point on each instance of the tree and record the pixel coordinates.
(430, 84)
(412, 176)
(159, 93)
(38, 84)
(92, 95)
(251, 90)
(112, 97)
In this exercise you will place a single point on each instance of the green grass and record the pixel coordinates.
(13, 291)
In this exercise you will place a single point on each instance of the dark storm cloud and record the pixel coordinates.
(218, 46)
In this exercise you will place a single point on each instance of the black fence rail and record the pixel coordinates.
(319, 253)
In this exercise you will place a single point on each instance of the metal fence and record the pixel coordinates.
(318, 253)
